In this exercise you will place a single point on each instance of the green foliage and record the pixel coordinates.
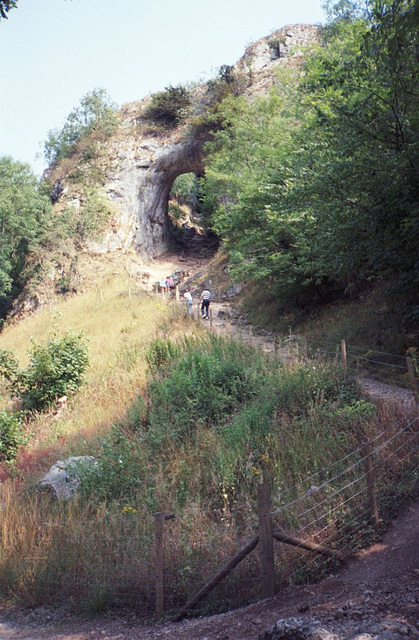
(168, 108)
(8, 365)
(5, 6)
(160, 353)
(118, 476)
(315, 188)
(209, 424)
(95, 115)
(23, 212)
(184, 186)
(55, 369)
(12, 435)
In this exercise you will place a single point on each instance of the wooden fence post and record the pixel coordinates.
(210, 315)
(177, 293)
(306, 347)
(159, 564)
(266, 541)
(371, 490)
(412, 377)
(344, 357)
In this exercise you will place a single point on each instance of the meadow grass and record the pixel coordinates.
(185, 423)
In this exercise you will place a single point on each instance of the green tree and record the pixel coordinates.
(6, 6)
(95, 115)
(23, 210)
(316, 188)
(169, 108)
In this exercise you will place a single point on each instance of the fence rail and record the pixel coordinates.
(323, 524)
(170, 564)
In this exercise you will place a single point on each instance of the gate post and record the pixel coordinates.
(266, 541)
(159, 564)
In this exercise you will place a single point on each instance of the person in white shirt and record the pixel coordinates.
(188, 297)
(205, 299)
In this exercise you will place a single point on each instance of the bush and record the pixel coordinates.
(11, 435)
(168, 108)
(55, 369)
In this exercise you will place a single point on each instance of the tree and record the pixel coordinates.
(316, 188)
(23, 209)
(95, 116)
(6, 6)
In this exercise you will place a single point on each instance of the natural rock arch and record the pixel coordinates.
(140, 191)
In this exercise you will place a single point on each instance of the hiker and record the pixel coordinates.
(163, 286)
(188, 297)
(169, 283)
(205, 299)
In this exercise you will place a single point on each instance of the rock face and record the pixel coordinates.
(140, 188)
(141, 167)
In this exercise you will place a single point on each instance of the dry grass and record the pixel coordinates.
(119, 324)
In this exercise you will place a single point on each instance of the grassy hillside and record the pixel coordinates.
(184, 422)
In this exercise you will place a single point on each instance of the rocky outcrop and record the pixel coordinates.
(139, 191)
(141, 166)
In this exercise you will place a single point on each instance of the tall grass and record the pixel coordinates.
(118, 328)
(182, 422)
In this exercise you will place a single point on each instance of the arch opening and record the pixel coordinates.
(187, 224)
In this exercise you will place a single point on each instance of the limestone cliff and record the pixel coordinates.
(139, 166)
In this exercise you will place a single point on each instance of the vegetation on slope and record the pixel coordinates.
(180, 421)
(313, 190)
(315, 187)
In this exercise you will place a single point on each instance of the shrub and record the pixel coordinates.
(55, 369)
(8, 365)
(168, 108)
(11, 435)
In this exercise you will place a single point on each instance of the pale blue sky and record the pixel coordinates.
(53, 52)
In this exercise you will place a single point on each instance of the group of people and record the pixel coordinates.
(167, 284)
(204, 299)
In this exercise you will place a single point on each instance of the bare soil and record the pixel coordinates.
(380, 583)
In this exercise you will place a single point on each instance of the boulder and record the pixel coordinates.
(63, 479)
(297, 629)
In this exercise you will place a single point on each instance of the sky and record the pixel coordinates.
(54, 52)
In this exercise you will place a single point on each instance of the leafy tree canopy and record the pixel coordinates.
(316, 187)
(96, 114)
(6, 6)
(23, 210)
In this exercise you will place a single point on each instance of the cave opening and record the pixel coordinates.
(188, 217)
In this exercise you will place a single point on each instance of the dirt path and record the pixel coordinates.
(379, 586)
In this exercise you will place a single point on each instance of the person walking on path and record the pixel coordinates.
(205, 299)
(188, 297)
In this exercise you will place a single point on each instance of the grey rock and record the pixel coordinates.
(63, 479)
(297, 629)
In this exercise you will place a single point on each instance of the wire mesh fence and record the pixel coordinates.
(389, 368)
(157, 564)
